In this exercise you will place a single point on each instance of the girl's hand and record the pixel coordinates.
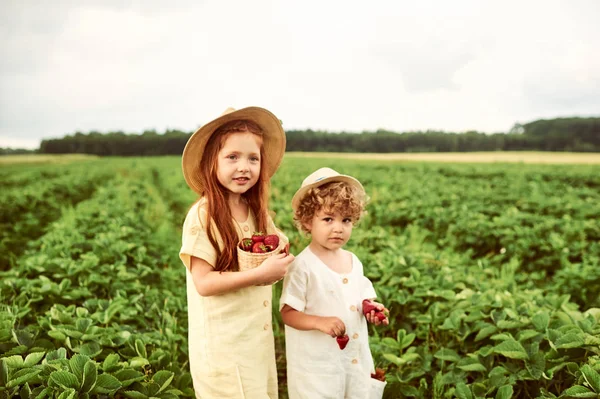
(333, 326)
(371, 318)
(274, 268)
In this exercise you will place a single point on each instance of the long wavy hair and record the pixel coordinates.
(219, 216)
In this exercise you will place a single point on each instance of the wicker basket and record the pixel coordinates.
(250, 260)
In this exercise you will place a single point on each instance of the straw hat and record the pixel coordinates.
(273, 142)
(320, 177)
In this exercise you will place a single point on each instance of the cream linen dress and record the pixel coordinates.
(231, 345)
(316, 367)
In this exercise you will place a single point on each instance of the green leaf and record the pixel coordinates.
(390, 343)
(524, 335)
(407, 340)
(485, 332)
(504, 392)
(41, 393)
(60, 353)
(64, 379)
(13, 362)
(591, 377)
(578, 391)
(33, 359)
(540, 321)
(163, 378)
(76, 363)
(447, 354)
(140, 348)
(129, 376)
(90, 375)
(511, 349)
(25, 391)
(27, 376)
(570, 340)
(91, 349)
(106, 383)
(68, 394)
(463, 391)
(135, 395)
(3, 372)
(111, 362)
(138, 362)
(83, 324)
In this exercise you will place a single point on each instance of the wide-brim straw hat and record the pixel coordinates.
(273, 142)
(320, 177)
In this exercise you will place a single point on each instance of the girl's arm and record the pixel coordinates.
(301, 321)
(209, 282)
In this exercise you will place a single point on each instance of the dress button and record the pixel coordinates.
(246, 228)
(345, 280)
(355, 336)
(266, 303)
(354, 361)
(266, 327)
(353, 308)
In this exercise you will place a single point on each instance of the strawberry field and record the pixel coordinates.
(491, 273)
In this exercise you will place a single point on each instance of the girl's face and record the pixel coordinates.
(330, 231)
(238, 162)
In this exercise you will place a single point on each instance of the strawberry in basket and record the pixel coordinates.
(260, 243)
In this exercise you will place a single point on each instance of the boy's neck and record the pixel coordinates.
(322, 251)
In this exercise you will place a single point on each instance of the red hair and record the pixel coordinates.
(257, 197)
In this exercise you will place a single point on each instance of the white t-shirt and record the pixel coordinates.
(316, 366)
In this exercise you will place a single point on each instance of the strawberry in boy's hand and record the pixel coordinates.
(379, 374)
(259, 248)
(342, 340)
(369, 306)
(258, 236)
(246, 244)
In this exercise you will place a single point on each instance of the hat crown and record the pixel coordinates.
(228, 111)
(318, 175)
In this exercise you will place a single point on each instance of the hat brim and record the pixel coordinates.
(341, 178)
(273, 143)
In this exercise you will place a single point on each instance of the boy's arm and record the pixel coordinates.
(301, 321)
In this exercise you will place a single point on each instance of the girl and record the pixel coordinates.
(323, 295)
(229, 162)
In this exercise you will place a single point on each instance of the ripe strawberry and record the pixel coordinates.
(259, 248)
(270, 247)
(272, 239)
(368, 306)
(246, 244)
(342, 341)
(379, 374)
(258, 236)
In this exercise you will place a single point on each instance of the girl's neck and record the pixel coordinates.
(239, 208)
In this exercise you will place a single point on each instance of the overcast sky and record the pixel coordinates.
(77, 65)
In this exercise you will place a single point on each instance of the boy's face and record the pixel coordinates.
(330, 230)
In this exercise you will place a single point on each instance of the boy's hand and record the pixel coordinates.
(372, 316)
(333, 326)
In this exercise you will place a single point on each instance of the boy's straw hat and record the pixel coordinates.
(273, 142)
(320, 177)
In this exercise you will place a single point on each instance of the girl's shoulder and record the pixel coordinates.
(197, 212)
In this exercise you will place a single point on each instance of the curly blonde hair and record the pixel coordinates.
(335, 197)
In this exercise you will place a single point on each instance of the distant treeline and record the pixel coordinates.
(561, 134)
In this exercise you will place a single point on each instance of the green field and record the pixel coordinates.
(491, 272)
